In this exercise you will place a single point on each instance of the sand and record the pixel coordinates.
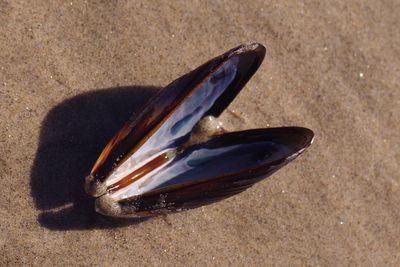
(72, 72)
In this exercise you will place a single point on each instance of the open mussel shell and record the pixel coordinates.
(154, 164)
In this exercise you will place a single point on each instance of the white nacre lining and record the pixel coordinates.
(178, 125)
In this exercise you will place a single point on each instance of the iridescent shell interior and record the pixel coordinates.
(152, 164)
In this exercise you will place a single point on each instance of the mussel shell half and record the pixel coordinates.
(219, 168)
(170, 116)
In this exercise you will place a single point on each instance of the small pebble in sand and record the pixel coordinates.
(342, 222)
(361, 74)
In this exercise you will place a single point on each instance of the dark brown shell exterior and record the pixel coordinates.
(194, 174)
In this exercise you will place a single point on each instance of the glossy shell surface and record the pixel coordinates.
(164, 160)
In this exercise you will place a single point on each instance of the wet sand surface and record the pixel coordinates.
(71, 73)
